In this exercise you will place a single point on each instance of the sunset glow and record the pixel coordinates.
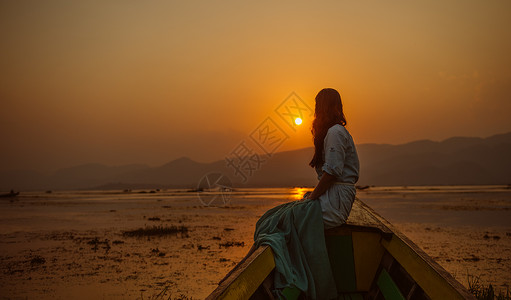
(111, 83)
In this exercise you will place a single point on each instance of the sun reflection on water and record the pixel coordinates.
(298, 192)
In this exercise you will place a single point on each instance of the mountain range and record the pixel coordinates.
(457, 160)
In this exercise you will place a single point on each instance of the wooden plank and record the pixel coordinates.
(362, 216)
(367, 253)
(433, 280)
(340, 253)
(388, 287)
(243, 281)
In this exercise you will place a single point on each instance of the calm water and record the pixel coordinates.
(478, 206)
(78, 210)
(450, 205)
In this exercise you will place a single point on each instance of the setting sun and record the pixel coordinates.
(298, 121)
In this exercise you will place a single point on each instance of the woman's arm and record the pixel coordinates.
(324, 183)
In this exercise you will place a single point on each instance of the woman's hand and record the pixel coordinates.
(324, 183)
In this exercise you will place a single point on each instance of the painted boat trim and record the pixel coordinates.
(247, 277)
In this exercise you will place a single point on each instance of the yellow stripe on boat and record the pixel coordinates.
(430, 279)
(367, 253)
(245, 280)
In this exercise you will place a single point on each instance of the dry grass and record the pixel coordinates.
(483, 292)
(156, 231)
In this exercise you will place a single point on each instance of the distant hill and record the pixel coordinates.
(458, 160)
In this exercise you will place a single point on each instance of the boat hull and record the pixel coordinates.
(370, 259)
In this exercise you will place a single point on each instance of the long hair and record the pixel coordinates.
(328, 112)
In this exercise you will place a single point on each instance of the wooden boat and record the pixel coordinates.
(370, 259)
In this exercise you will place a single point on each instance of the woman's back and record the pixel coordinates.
(340, 156)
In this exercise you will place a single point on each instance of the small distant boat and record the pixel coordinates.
(370, 259)
(10, 194)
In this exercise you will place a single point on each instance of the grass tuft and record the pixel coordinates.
(156, 231)
(482, 292)
(165, 294)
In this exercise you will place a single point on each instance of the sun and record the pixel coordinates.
(298, 121)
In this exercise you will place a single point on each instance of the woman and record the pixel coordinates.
(295, 230)
(335, 159)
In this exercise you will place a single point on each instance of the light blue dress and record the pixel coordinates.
(341, 161)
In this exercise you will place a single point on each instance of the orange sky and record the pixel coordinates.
(120, 82)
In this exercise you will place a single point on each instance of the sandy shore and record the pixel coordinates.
(71, 244)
